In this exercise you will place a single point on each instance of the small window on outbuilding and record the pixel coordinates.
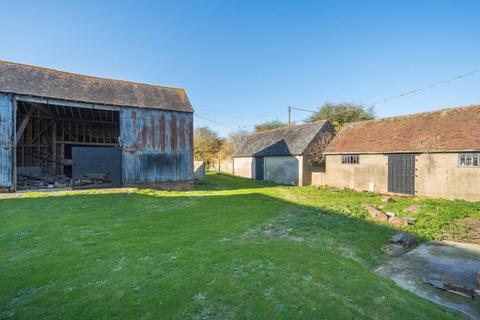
(351, 159)
(469, 159)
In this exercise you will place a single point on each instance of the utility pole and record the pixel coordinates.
(289, 115)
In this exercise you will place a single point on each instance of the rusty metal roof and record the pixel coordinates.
(54, 84)
(455, 129)
(292, 140)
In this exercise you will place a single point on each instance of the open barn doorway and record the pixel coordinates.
(46, 137)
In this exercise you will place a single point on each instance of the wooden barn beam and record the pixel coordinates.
(44, 109)
(22, 127)
(42, 131)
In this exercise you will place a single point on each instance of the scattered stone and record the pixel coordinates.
(414, 208)
(390, 214)
(387, 199)
(411, 220)
(375, 213)
(389, 217)
(403, 239)
(60, 185)
(393, 250)
(398, 222)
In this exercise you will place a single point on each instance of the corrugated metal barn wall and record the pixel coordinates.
(157, 145)
(6, 140)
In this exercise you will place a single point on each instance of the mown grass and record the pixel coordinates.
(231, 249)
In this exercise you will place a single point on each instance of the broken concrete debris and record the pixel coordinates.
(399, 244)
(403, 238)
(398, 222)
(26, 182)
(375, 213)
(394, 250)
(389, 217)
(436, 281)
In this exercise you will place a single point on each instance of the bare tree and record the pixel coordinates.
(316, 150)
(237, 138)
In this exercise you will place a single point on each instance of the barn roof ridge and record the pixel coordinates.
(41, 81)
(48, 69)
(292, 140)
(451, 128)
(416, 114)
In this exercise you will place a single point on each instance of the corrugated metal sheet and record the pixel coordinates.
(98, 160)
(157, 146)
(6, 135)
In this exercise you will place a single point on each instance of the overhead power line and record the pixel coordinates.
(402, 94)
(424, 88)
(225, 124)
(407, 93)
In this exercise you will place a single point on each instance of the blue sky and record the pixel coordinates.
(244, 62)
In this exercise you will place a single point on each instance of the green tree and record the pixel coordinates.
(269, 125)
(207, 144)
(340, 113)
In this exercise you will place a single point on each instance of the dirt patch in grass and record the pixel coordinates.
(279, 227)
(472, 226)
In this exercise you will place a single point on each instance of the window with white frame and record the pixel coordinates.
(351, 159)
(469, 159)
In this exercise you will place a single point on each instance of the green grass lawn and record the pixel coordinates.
(230, 249)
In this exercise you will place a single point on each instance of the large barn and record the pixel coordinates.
(282, 155)
(91, 130)
(434, 154)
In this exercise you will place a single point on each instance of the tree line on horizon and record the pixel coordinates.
(210, 147)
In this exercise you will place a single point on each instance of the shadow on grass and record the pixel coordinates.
(185, 214)
(98, 249)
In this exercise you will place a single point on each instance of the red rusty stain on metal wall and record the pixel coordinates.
(173, 132)
(151, 127)
(190, 135)
(181, 133)
(144, 136)
(162, 132)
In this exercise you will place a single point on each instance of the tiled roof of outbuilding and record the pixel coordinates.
(292, 140)
(456, 129)
(54, 84)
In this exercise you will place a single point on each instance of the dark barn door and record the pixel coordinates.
(401, 173)
(105, 161)
(258, 168)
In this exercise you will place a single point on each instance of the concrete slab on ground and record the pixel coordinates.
(457, 263)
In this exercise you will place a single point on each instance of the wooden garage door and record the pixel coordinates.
(401, 173)
(258, 168)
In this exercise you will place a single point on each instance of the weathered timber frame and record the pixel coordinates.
(44, 132)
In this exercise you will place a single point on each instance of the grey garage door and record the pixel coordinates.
(259, 168)
(401, 173)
